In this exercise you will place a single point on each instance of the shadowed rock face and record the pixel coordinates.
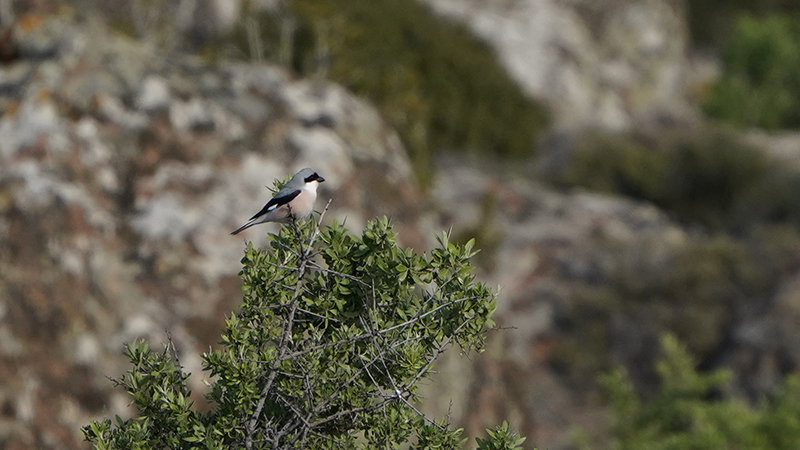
(121, 175)
(588, 283)
(538, 246)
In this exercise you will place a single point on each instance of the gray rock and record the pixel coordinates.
(112, 109)
(153, 94)
(535, 244)
(15, 77)
(37, 121)
(604, 63)
(314, 103)
(192, 115)
(81, 92)
(122, 173)
(322, 147)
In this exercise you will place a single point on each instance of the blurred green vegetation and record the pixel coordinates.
(692, 410)
(760, 83)
(433, 81)
(744, 210)
(708, 176)
(711, 22)
(697, 292)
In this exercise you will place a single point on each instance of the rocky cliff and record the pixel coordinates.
(122, 172)
(123, 168)
(603, 63)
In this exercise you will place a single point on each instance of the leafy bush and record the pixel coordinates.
(693, 411)
(760, 84)
(708, 177)
(746, 203)
(615, 314)
(437, 84)
(326, 351)
(501, 438)
(711, 22)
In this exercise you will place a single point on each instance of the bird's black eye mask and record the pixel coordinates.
(314, 177)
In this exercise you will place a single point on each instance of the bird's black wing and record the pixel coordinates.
(277, 201)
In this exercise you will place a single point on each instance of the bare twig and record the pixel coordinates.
(363, 336)
(338, 274)
(319, 316)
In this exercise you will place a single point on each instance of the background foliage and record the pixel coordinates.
(743, 212)
(711, 22)
(694, 410)
(710, 177)
(760, 84)
(697, 293)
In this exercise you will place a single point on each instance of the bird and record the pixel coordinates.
(295, 200)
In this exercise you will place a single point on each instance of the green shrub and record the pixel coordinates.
(760, 83)
(744, 201)
(327, 350)
(709, 177)
(692, 410)
(501, 438)
(711, 22)
(616, 313)
(434, 82)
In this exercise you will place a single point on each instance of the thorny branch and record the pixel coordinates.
(283, 346)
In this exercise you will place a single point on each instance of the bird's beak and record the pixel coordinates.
(320, 179)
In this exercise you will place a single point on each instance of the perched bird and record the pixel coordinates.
(294, 200)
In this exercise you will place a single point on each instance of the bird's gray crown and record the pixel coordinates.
(304, 173)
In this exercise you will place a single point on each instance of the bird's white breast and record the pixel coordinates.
(311, 187)
(303, 204)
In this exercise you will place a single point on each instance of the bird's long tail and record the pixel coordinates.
(244, 227)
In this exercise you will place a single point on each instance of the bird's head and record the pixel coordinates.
(310, 176)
